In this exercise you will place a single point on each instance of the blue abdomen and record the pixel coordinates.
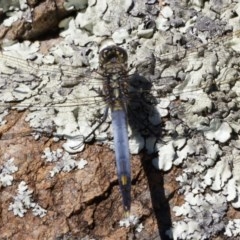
(121, 145)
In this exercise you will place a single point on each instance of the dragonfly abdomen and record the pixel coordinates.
(119, 125)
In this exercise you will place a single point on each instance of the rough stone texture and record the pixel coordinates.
(86, 204)
(45, 17)
(83, 202)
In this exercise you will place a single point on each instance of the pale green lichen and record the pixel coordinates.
(75, 4)
(9, 5)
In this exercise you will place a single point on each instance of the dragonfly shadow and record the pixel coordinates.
(148, 129)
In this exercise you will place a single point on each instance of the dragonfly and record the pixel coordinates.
(113, 65)
(62, 97)
(182, 101)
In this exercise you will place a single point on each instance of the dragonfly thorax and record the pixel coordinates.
(113, 68)
(115, 89)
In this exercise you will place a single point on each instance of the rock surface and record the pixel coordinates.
(198, 195)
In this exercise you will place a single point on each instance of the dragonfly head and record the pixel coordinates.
(112, 54)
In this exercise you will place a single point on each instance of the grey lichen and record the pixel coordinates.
(23, 201)
(202, 214)
(196, 92)
(6, 172)
(63, 161)
(233, 228)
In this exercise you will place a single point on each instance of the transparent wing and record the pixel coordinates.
(197, 91)
(185, 84)
(56, 97)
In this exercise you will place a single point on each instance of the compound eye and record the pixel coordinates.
(112, 54)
